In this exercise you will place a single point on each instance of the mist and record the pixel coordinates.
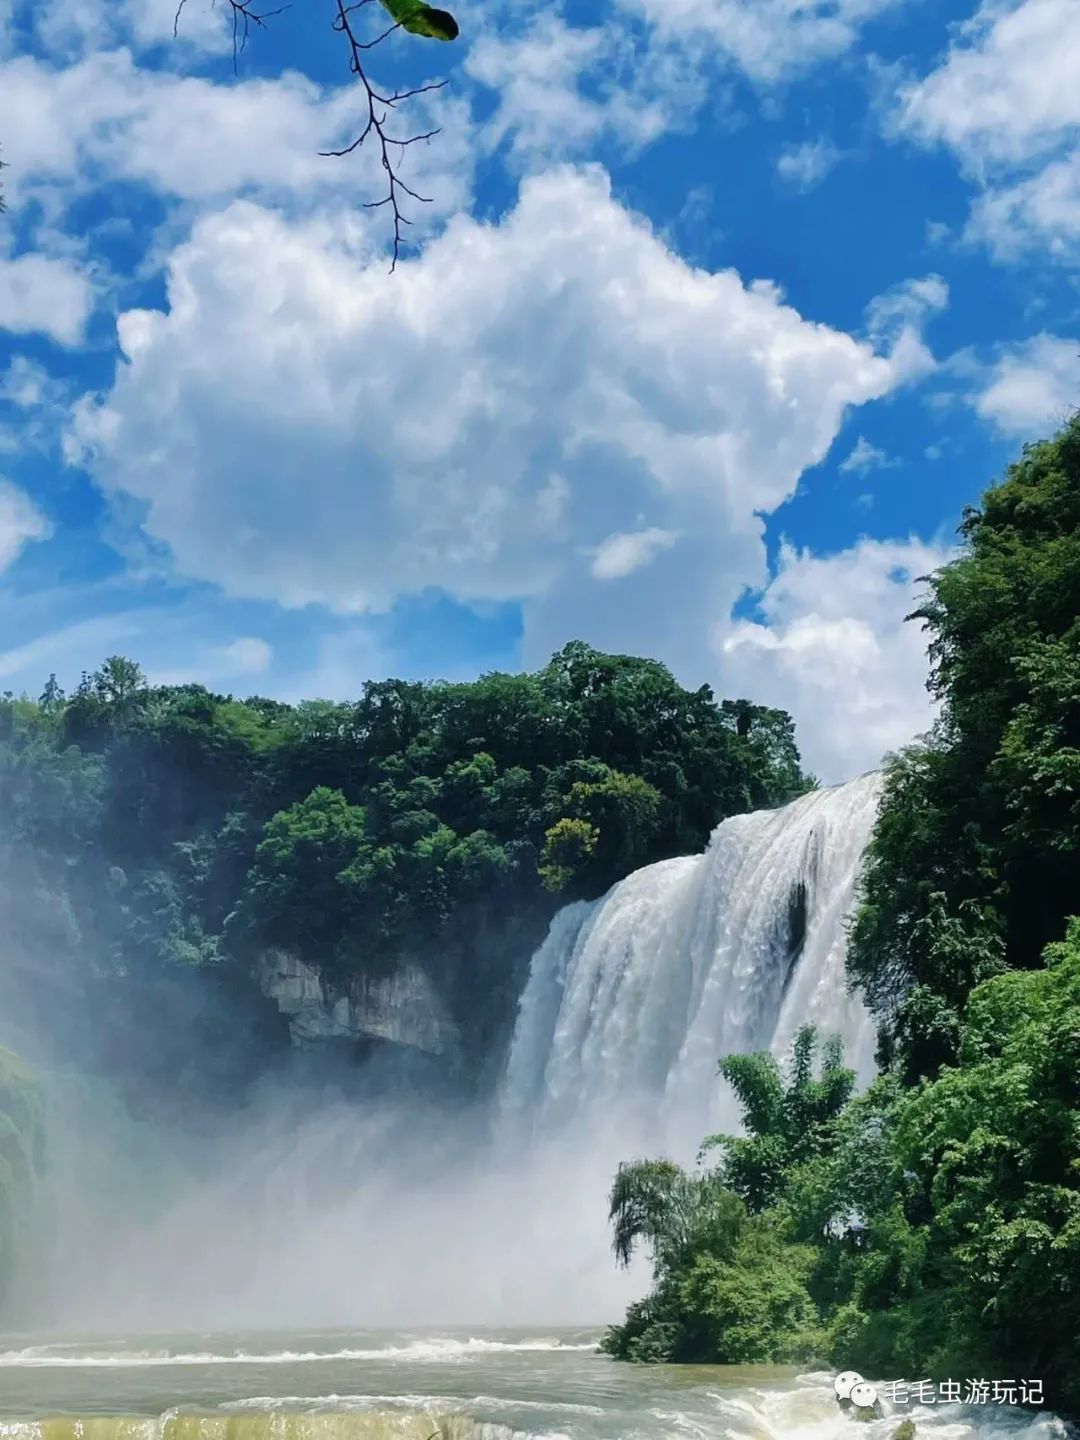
(326, 1191)
(320, 1190)
(314, 1209)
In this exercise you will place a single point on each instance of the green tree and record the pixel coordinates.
(731, 1275)
(788, 1120)
(303, 872)
(164, 836)
(52, 697)
(994, 1146)
(608, 828)
(569, 846)
(975, 862)
(931, 1228)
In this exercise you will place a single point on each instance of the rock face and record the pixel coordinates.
(401, 1009)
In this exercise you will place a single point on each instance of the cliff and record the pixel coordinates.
(402, 1008)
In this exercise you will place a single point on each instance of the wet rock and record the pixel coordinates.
(865, 1413)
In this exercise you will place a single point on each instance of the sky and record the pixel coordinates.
(714, 316)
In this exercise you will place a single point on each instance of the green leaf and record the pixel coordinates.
(421, 19)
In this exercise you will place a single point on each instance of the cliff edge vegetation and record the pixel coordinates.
(930, 1226)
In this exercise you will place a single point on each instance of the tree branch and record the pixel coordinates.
(245, 16)
(376, 122)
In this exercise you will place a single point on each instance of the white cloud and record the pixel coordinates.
(25, 384)
(219, 664)
(33, 407)
(562, 88)
(76, 27)
(168, 648)
(247, 655)
(338, 662)
(41, 294)
(835, 651)
(896, 319)
(204, 24)
(1008, 90)
(1006, 101)
(770, 40)
(64, 650)
(907, 305)
(620, 555)
(1032, 387)
(806, 165)
(648, 69)
(1038, 212)
(865, 457)
(20, 522)
(192, 637)
(189, 138)
(493, 421)
(301, 428)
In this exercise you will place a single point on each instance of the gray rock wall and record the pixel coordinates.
(402, 1008)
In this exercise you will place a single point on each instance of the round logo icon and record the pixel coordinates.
(850, 1385)
(844, 1383)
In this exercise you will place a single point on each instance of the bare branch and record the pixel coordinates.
(376, 122)
(245, 15)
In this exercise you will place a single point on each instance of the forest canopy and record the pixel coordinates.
(163, 831)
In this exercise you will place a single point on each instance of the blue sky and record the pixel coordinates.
(719, 313)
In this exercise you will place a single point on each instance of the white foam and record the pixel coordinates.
(633, 1000)
(434, 1351)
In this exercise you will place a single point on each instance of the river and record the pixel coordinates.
(467, 1385)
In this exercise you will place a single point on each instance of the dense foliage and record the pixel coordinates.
(164, 836)
(930, 1230)
(931, 1225)
(975, 863)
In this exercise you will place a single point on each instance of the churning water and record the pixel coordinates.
(384, 1217)
(510, 1385)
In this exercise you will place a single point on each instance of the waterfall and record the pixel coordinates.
(632, 999)
(393, 1213)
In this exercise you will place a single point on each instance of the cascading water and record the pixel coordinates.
(632, 999)
(380, 1215)
(390, 1212)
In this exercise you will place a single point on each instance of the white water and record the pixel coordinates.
(390, 1217)
(408, 1387)
(633, 999)
(381, 1213)
(432, 1350)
